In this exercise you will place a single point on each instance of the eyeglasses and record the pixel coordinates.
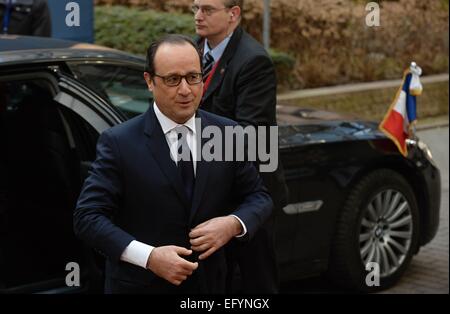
(175, 79)
(207, 10)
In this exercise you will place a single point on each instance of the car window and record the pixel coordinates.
(123, 86)
(39, 183)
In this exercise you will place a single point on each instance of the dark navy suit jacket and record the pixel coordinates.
(134, 192)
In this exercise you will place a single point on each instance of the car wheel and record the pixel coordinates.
(379, 223)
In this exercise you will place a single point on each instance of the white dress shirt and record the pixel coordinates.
(136, 252)
(217, 51)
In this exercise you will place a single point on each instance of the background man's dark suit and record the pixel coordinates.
(134, 193)
(243, 88)
(28, 17)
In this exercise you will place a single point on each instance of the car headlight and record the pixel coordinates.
(424, 147)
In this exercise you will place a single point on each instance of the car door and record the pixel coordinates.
(49, 127)
(311, 210)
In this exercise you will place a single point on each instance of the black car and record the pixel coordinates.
(354, 199)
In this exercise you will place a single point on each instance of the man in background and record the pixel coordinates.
(25, 17)
(240, 84)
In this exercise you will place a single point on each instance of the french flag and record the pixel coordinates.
(402, 111)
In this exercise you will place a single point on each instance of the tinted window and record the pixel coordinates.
(122, 86)
(39, 184)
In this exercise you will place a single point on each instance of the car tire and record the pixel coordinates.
(372, 227)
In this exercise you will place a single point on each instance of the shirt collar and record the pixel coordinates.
(217, 52)
(168, 125)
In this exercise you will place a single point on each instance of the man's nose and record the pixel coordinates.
(184, 88)
(199, 15)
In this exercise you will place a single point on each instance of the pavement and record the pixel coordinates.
(432, 122)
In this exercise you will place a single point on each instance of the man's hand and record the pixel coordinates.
(211, 235)
(165, 262)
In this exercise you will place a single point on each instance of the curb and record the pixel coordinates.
(355, 87)
(441, 121)
(432, 126)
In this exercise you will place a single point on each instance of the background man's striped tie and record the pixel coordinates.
(208, 63)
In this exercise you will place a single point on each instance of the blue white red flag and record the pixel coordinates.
(402, 112)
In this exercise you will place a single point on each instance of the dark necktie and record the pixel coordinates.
(208, 63)
(185, 163)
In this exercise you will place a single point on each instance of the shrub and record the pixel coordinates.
(284, 63)
(132, 29)
(329, 39)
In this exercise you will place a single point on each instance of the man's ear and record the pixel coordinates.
(149, 81)
(235, 13)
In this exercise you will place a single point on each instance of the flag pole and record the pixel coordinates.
(416, 71)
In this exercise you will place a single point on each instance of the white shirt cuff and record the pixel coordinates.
(243, 227)
(137, 253)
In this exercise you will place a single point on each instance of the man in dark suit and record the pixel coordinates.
(25, 17)
(154, 215)
(240, 83)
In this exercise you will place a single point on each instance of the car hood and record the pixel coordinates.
(301, 126)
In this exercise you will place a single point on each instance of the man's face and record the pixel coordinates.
(217, 24)
(178, 103)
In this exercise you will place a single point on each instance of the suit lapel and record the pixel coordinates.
(202, 170)
(157, 143)
(223, 62)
